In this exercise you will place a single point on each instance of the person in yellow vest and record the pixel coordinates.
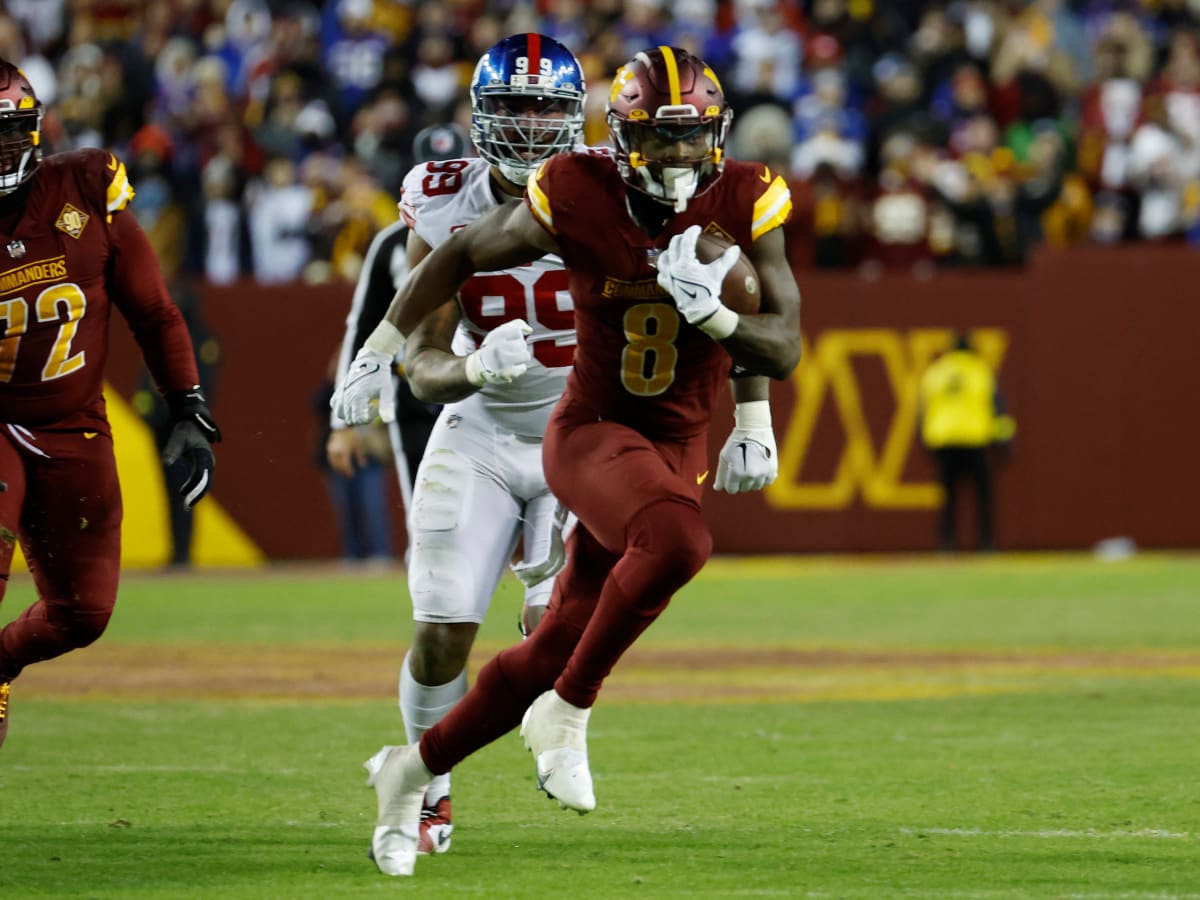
(962, 415)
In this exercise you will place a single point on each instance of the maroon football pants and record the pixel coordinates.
(64, 503)
(640, 538)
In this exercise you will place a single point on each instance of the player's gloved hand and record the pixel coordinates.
(367, 390)
(748, 461)
(696, 286)
(531, 572)
(503, 357)
(193, 432)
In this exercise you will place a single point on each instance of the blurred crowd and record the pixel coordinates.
(269, 138)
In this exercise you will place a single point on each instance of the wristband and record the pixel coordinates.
(475, 370)
(720, 324)
(385, 339)
(753, 414)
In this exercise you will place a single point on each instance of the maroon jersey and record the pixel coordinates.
(637, 361)
(66, 258)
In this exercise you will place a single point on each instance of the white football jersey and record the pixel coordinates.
(440, 198)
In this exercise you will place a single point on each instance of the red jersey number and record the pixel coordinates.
(443, 178)
(513, 303)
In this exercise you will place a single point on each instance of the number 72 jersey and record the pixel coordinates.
(54, 292)
(438, 199)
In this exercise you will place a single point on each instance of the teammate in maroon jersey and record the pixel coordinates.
(70, 253)
(626, 447)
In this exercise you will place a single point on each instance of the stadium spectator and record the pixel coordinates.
(962, 416)
(358, 492)
(353, 81)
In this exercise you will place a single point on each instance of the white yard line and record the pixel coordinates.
(1087, 834)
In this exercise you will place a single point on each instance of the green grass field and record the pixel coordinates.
(854, 728)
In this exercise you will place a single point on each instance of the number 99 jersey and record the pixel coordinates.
(438, 199)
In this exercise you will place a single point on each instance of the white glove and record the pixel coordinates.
(367, 391)
(503, 356)
(696, 286)
(531, 572)
(748, 461)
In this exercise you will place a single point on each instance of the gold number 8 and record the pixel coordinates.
(649, 358)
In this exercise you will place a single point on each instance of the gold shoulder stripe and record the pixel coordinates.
(771, 209)
(120, 191)
(539, 203)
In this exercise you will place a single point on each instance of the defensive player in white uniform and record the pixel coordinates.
(498, 359)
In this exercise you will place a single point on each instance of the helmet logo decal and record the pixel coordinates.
(72, 221)
(619, 81)
(715, 80)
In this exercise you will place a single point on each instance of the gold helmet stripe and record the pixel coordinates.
(672, 75)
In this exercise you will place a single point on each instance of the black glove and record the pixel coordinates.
(193, 431)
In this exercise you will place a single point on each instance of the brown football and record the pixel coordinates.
(740, 291)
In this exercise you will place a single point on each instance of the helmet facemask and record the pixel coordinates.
(671, 156)
(20, 146)
(517, 132)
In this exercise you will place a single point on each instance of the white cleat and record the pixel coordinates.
(399, 777)
(555, 732)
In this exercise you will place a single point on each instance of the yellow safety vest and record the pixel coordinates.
(958, 398)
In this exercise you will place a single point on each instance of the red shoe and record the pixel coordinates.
(435, 828)
(4, 690)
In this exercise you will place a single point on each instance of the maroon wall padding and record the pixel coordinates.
(1099, 370)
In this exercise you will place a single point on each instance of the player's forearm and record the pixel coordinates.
(436, 376)
(765, 345)
(138, 290)
(749, 388)
(433, 282)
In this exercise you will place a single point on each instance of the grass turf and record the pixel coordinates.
(1050, 782)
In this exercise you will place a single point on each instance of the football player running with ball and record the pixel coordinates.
(625, 449)
(498, 359)
(72, 252)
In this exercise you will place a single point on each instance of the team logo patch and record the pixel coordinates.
(16, 249)
(72, 221)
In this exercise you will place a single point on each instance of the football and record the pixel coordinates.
(740, 290)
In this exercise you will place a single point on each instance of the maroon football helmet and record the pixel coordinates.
(20, 128)
(668, 118)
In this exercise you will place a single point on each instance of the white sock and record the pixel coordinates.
(422, 707)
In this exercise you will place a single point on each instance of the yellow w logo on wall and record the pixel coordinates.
(145, 535)
(827, 375)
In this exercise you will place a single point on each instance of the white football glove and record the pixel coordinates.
(367, 391)
(749, 460)
(696, 286)
(531, 572)
(503, 356)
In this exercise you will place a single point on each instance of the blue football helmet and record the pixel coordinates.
(526, 103)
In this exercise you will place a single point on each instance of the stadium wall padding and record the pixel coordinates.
(1096, 355)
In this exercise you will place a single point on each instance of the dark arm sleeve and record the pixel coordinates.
(136, 287)
(376, 287)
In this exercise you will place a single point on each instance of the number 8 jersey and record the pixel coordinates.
(639, 362)
(438, 199)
